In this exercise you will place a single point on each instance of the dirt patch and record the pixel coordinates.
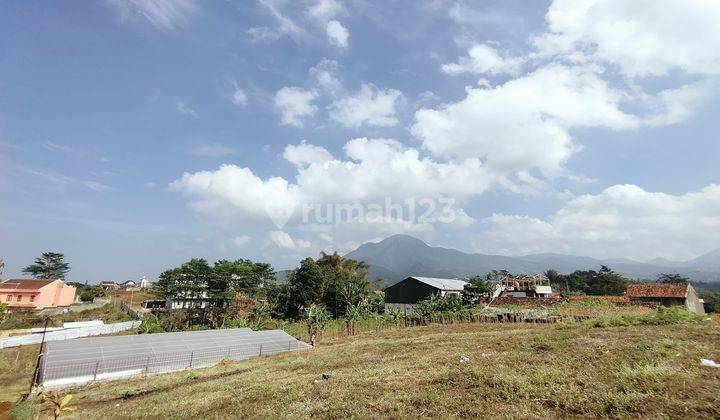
(5, 407)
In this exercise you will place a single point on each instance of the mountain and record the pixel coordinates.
(400, 256)
(709, 261)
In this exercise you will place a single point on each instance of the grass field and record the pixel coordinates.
(451, 371)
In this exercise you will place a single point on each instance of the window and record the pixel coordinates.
(32, 298)
(8, 298)
(19, 298)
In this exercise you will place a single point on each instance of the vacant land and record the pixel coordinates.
(132, 299)
(22, 321)
(462, 370)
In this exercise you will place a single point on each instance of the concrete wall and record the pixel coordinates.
(693, 302)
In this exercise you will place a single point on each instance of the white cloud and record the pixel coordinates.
(241, 240)
(283, 24)
(337, 34)
(623, 220)
(212, 150)
(482, 59)
(285, 241)
(523, 124)
(641, 37)
(325, 76)
(96, 186)
(325, 10)
(376, 170)
(239, 97)
(304, 154)
(295, 104)
(149, 184)
(163, 14)
(184, 109)
(370, 105)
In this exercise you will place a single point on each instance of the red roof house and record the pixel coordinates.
(682, 294)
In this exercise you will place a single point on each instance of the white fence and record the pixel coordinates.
(67, 334)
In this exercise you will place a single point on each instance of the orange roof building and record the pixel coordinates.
(35, 294)
(682, 294)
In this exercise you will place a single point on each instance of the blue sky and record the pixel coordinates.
(135, 135)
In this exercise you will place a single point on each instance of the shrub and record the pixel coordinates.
(663, 316)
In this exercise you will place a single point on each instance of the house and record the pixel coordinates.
(109, 285)
(406, 294)
(522, 286)
(682, 294)
(36, 294)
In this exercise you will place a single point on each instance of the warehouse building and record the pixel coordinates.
(405, 295)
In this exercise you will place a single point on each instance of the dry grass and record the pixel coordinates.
(17, 365)
(512, 370)
(133, 299)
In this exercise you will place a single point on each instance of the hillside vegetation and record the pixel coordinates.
(450, 371)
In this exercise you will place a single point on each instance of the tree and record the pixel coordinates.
(50, 265)
(671, 278)
(2, 267)
(317, 319)
(344, 282)
(606, 282)
(307, 284)
(712, 302)
(475, 288)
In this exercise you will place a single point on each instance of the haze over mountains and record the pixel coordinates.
(400, 256)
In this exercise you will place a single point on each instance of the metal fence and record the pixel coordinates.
(73, 373)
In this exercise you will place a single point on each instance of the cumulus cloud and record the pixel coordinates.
(483, 58)
(376, 171)
(163, 14)
(337, 34)
(623, 220)
(643, 37)
(295, 104)
(524, 123)
(370, 106)
(305, 154)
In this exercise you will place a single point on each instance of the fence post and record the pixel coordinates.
(147, 365)
(97, 365)
(260, 350)
(192, 353)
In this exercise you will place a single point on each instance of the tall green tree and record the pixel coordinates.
(50, 265)
(674, 278)
(606, 282)
(474, 289)
(307, 284)
(344, 281)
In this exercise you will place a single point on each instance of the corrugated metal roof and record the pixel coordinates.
(657, 290)
(442, 284)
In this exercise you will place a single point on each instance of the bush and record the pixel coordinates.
(89, 293)
(663, 316)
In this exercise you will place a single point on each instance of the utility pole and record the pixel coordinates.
(41, 353)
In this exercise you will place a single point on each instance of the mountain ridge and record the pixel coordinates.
(400, 256)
